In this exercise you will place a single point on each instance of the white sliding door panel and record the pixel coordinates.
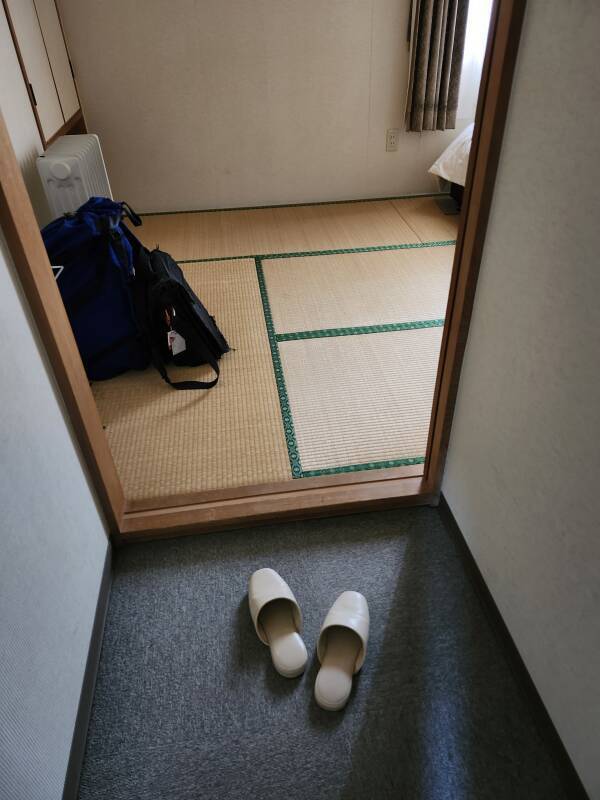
(57, 54)
(37, 66)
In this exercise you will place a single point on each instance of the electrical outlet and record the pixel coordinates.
(391, 139)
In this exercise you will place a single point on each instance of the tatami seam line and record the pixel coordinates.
(359, 330)
(406, 222)
(378, 248)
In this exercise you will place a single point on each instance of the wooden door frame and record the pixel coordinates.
(490, 118)
(128, 522)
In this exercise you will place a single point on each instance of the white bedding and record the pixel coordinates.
(452, 164)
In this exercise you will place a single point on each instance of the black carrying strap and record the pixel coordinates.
(158, 362)
(131, 215)
(147, 305)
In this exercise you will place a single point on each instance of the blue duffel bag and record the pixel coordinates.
(97, 253)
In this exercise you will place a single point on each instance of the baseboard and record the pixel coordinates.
(71, 787)
(573, 786)
(412, 195)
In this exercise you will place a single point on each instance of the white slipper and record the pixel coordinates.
(278, 621)
(342, 649)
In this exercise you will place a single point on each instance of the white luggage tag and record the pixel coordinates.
(176, 342)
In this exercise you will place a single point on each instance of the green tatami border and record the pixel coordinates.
(274, 340)
(396, 462)
(415, 196)
(284, 402)
(389, 327)
(377, 248)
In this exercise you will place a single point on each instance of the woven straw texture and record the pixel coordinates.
(356, 289)
(296, 229)
(167, 442)
(423, 216)
(354, 399)
(361, 399)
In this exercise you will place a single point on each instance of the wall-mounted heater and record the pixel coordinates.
(72, 170)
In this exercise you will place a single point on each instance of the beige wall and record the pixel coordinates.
(229, 103)
(523, 471)
(18, 115)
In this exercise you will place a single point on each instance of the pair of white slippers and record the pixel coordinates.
(342, 645)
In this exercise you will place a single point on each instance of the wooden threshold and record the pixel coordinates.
(257, 489)
(257, 509)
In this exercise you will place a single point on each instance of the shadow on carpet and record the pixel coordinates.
(188, 705)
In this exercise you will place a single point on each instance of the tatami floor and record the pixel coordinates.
(335, 315)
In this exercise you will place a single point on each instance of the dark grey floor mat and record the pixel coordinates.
(188, 705)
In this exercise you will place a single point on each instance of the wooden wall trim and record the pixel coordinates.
(27, 249)
(496, 83)
(76, 121)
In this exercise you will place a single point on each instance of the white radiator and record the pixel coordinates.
(72, 170)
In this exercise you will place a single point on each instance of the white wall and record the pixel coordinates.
(53, 541)
(228, 103)
(523, 470)
(53, 549)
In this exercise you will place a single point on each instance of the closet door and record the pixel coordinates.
(58, 57)
(23, 18)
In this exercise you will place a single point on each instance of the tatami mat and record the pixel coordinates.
(289, 229)
(167, 442)
(358, 289)
(361, 399)
(424, 217)
(355, 400)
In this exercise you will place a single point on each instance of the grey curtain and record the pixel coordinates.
(437, 42)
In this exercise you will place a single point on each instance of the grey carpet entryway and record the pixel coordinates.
(188, 706)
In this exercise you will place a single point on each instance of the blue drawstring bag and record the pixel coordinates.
(98, 253)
